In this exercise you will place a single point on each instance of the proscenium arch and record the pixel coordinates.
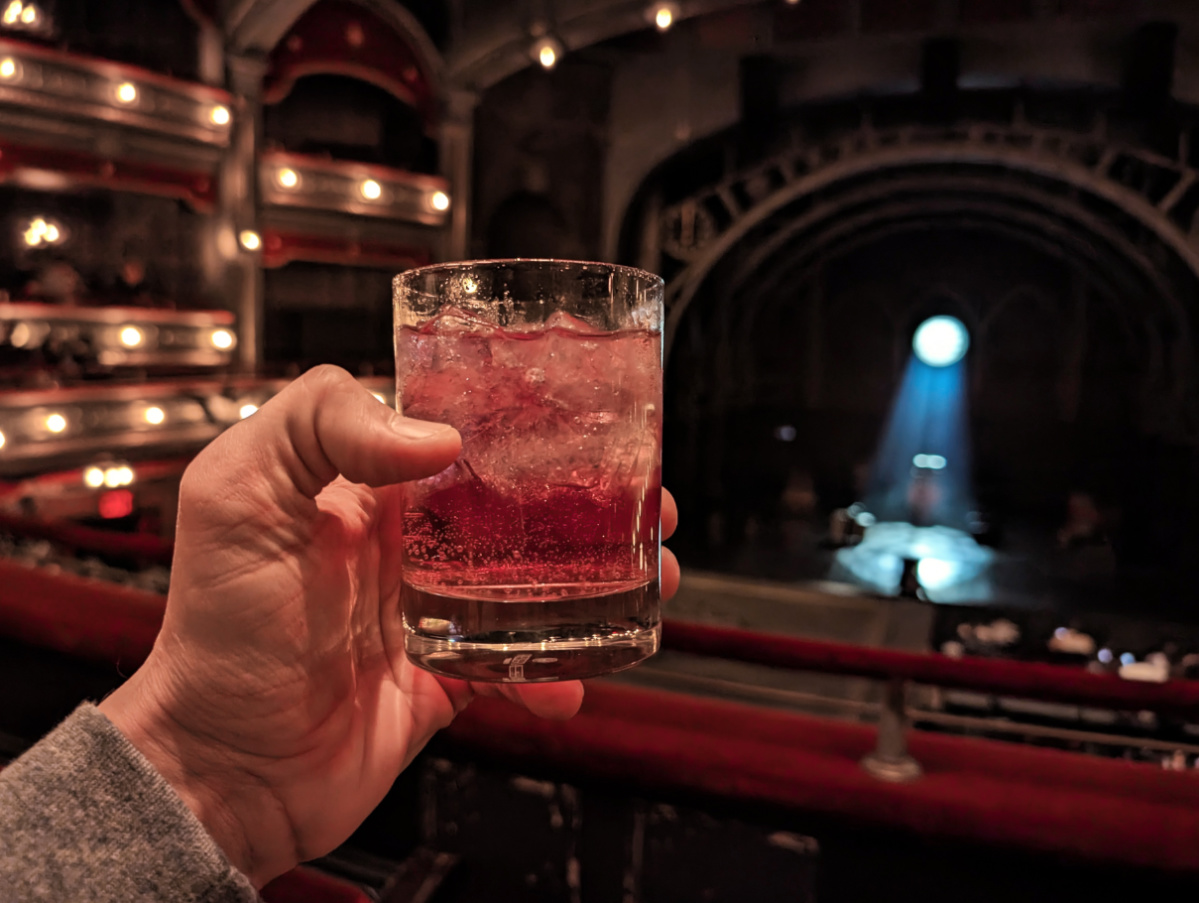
(878, 161)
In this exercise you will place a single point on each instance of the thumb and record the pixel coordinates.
(325, 424)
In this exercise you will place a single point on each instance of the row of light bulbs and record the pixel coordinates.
(547, 50)
(369, 189)
(125, 94)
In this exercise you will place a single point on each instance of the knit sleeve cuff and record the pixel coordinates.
(84, 816)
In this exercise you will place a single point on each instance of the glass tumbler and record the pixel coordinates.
(535, 556)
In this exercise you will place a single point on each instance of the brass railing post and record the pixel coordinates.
(891, 760)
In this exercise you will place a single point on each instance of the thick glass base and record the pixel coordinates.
(530, 642)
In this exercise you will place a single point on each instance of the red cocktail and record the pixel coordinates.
(535, 556)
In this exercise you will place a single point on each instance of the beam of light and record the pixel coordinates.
(941, 341)
(922, 469)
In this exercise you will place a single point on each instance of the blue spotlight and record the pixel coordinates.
(941, 341)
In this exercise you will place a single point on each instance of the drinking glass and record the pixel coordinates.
(535, 556)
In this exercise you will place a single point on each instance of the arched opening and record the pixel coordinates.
(795, 287)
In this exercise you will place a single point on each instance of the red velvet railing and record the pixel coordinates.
(973, 790)
(1054, 683)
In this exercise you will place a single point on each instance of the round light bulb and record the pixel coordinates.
(93, 477)
(246, 410)
(8, 67)
(547, 56)
(126, 92)
(131, 337)
(439, 201)
(56, 423)
(222, 339)
(250, 240)
(664, 18)
(371, 190)
(154, 415)
(219, 115)
(288, 178)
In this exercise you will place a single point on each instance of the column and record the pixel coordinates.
(238, 205)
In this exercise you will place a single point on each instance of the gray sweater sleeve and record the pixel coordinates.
(85, 817)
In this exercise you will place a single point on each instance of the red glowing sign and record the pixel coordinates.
(118, 503)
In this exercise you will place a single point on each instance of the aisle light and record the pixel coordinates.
(219, 115)
(287, 178)
(250, 240)
(154, 415)
(371, 190)
(222, 339)
(126, 92)
(131, 336)
(56, 423)
(439, 201)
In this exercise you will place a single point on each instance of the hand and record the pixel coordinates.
(277, 699)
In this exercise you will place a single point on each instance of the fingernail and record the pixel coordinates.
(418, 429)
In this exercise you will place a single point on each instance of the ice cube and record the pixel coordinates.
(565, 322)
(456, 321)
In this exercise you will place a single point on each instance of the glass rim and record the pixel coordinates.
(494, 262)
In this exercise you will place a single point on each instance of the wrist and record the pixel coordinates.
(202, 774)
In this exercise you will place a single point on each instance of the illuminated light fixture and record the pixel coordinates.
(439, 201)
(30, 15)
(12, 12)
(154, 415)
(287, 178)
(118, 476)
(219, 115)
(56, 423)
(8, 68)
(93, 477)
(41, 231)
(941, 341)
(371, 190)
(792, 2)
(222, 339)
(663, 15)
(114, 505)
(546, 51)
(21, 336)
(2, 440)
(250, 240)
(126, 92)
(131, 336)
(246, 410)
